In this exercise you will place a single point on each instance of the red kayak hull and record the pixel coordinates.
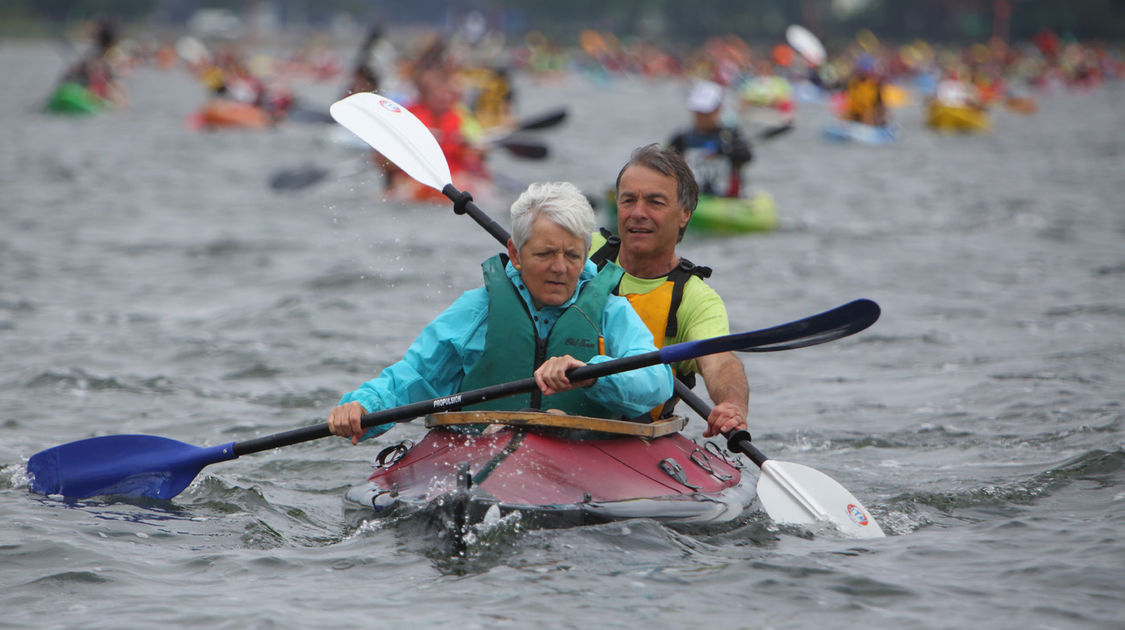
(576, 480)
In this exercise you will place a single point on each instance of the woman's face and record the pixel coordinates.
(550, 262)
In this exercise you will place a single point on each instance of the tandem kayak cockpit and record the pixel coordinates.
(556, 471)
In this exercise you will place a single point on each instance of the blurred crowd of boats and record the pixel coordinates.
(462, 86)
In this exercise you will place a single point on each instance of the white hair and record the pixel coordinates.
(561, 202)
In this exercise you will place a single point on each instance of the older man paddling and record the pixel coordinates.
(656, 194)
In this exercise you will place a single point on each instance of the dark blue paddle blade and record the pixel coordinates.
(820, 328)
(129, 465)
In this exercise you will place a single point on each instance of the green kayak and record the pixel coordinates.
(735, 215)
(726, 215)
(72, 98)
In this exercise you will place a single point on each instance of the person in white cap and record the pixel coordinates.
(715, 152)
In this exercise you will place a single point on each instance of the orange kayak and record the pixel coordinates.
(406, 189)
(221, 113)
(1021, 104)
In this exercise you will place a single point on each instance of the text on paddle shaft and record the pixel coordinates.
(447, 402)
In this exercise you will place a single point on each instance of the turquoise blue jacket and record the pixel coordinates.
(450, 345)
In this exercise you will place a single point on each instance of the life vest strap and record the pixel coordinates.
(679, 277)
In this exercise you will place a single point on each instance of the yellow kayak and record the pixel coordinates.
(944, 117)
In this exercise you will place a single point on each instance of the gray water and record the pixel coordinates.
(151, 282)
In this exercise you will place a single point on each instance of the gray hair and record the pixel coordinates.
(561, 202)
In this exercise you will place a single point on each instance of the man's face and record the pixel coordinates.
(649, 215)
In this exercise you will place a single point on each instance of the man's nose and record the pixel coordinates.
(640, 210)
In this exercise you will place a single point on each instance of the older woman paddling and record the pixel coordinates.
(543, 309)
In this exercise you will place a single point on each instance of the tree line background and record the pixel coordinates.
(670, 20)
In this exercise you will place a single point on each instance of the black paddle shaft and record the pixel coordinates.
(463, 204)
(456, 401)
(834, 324)
(737, 441)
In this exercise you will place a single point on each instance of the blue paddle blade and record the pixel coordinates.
(129, 465)
(820, 328)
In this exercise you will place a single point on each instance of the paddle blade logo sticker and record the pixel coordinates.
(390, 106)
(857, 514)
(441, 403)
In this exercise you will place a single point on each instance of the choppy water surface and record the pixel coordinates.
(150, 282)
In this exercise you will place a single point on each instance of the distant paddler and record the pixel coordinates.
(544, 309)
(438, 107)
(364, 77)
(956, 106)
(715, 152)
(863, 94)
(92, 81)
(767, 98)
(493, 97)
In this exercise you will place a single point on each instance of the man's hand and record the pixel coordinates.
(726, 384)
(724, 417)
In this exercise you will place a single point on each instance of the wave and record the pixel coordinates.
(81, 380)
(1106, 468)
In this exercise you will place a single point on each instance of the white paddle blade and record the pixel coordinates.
(806, 43)
(394, 132)
(796, 494)
(192, 50)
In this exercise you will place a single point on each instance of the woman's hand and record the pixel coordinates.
(551, 376)
(345, 421)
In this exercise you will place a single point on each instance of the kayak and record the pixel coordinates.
(724, 215)
(767, 101)
(850, 131)
(73, 98)
(554, 471)
(944, 117)
(1021, 104)
(224, 113)
(735, 215)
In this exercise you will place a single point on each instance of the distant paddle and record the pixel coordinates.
(807, 44)
(302, 177)
(545, 120)
(192, 51)
(301, 113)
(527, 149)
(773, 132)
(161, 468)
